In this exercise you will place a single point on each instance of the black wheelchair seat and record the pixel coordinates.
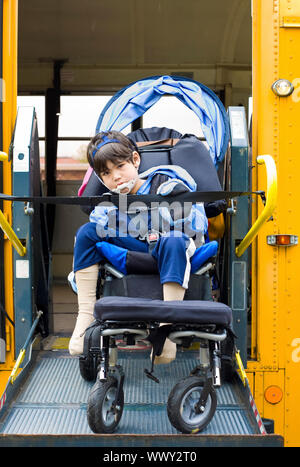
(145, 309)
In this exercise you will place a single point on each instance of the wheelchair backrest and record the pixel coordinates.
(168, 147)
(164, 146)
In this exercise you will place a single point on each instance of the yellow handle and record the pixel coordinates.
(269, 207)
(241, 370)
(3, 156)
(20, 359)
(11, 235)
(5, 225)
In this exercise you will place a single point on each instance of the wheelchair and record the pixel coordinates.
(192, 402)
(132, 306)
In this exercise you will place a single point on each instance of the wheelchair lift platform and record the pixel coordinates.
(46, 406)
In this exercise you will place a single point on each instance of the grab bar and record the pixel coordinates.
(269, 206)
(11, 235)
(5, 225)
(3, 156)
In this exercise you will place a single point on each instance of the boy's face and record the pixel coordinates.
(122, 172)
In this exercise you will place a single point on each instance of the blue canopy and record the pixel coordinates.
(135, 99)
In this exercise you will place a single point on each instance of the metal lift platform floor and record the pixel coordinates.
(48, 407)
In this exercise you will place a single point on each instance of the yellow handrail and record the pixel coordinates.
(5, 225)
(241, 371)
(269, 207)
(3, 156)
(11, 235)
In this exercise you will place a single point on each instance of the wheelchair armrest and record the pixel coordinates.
(112, 270)
(207, 266)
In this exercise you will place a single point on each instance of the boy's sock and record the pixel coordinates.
(171, 291)
(86, 281)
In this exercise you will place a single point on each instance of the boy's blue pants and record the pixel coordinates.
(171, 253)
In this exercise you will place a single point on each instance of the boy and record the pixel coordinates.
(116, 161)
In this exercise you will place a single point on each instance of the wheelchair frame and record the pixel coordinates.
(103, 360)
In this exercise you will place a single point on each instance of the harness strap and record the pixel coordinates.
(157, 338)
(194, 197)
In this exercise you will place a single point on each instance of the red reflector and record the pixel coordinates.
(283, 240)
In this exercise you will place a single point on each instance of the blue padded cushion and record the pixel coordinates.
(145, 309)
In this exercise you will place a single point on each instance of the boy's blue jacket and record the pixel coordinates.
(138, 221)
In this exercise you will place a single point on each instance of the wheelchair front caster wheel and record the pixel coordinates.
(103, 412)
(183, 409)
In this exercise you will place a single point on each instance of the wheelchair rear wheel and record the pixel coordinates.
(182, 408)
(103, 414)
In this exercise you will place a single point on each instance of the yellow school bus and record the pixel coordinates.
(275, 328)
(273, 368)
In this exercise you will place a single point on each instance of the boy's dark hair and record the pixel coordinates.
(114, 152)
